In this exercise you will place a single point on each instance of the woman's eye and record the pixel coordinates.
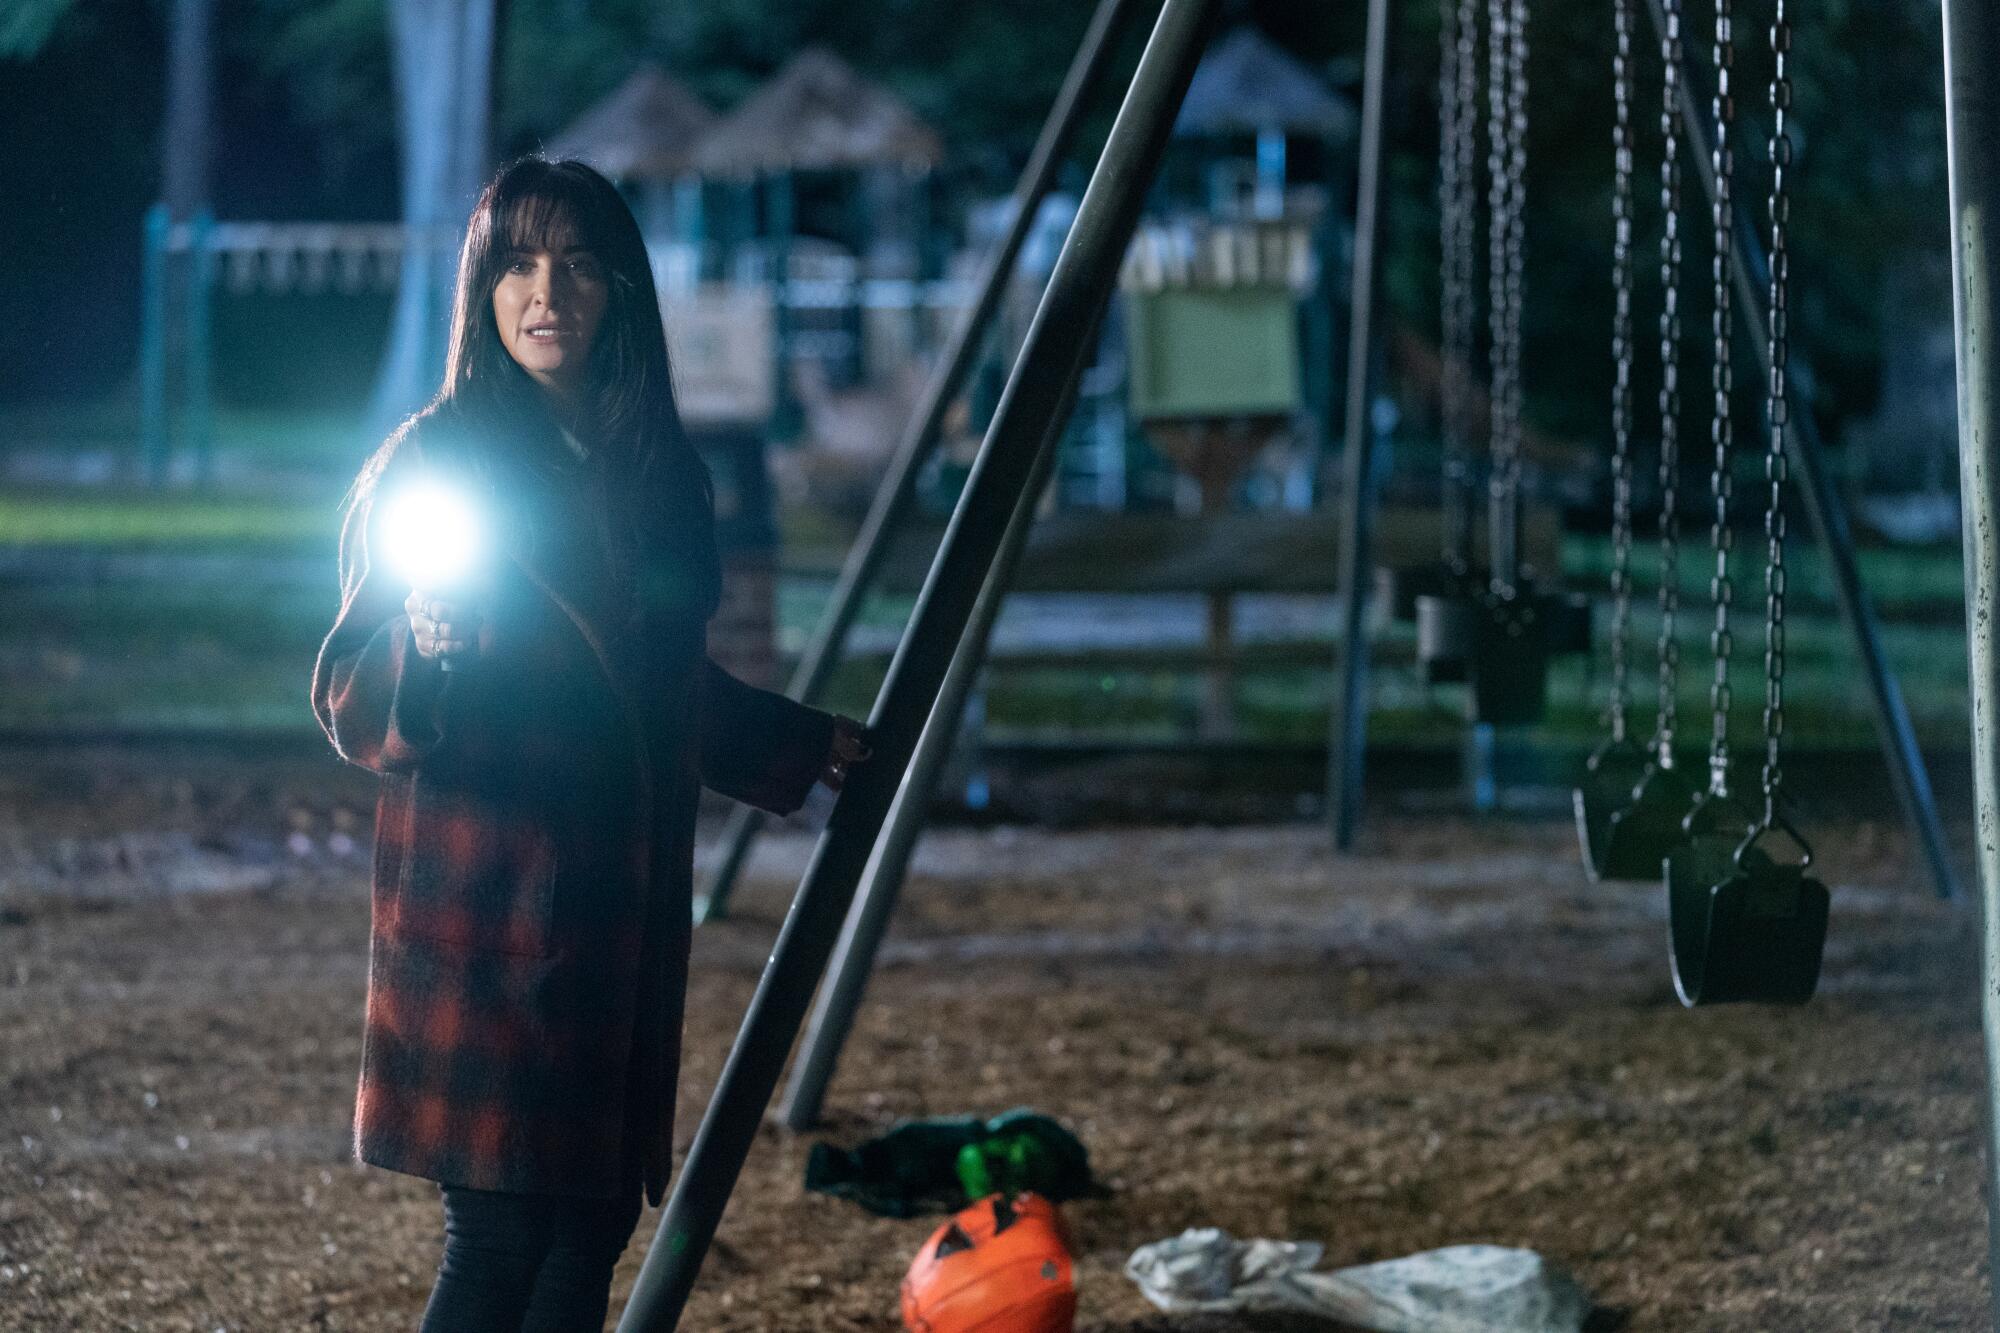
(519, 266)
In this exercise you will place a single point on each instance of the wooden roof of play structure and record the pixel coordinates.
(645, 129)
(1248, 84)
(817, 114)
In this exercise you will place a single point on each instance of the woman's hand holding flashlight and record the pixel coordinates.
(435, 537)
(446, 630)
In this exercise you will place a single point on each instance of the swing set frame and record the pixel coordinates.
(954, 608)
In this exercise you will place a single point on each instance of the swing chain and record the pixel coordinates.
(1721, 427)
(1621, 355)
(1507, 110)
(1458, 129)
(1517, 258)
(1496, 255)
(1671, 54)
(1517, 212)
(1778, 408)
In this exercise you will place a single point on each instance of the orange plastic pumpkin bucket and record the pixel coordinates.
(1000, 1266)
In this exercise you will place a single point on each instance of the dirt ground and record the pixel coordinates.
(1450, 1037)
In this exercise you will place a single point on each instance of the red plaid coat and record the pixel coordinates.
(533, 860)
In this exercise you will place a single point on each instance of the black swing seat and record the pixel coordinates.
(1397, 587)
(1495, 643)
(1640, 831)
(1447, 636)
(1500, 643)
(1437, 598)
(1569, 624)
(1610, 778)
(1741, 925)
(1509, 668)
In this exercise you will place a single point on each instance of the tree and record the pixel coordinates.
(443, 65)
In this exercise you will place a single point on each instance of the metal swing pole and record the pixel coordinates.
(1077, 291)
(1972, 136)
(1348, 725)
(894, 498)
(1824, 508)
(853, 962)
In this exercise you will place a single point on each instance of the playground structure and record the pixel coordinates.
(767, 323)
(979, 547)
(805, 236)
(1506, 688)
(1357, 536)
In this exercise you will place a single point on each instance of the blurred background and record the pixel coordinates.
(229, 236)
(227, 230)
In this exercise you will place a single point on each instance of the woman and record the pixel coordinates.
(541, 729)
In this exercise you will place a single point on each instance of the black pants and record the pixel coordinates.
(527, 1263)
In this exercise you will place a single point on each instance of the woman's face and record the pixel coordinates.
(548, 308)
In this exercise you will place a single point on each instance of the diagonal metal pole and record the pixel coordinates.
(882, 882)
(1972, 135)
(897, 493)
(1824, 508)
(1348, 726)
(1077, 290)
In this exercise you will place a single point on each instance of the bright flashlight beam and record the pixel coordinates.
(432, 534)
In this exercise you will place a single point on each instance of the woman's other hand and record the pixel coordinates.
(849, 748)
(442, 628)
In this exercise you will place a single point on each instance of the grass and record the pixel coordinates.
(334, 439)
(1919, 580)
(116, 519)
(111, 654)
(225, 655)
(1826, 705)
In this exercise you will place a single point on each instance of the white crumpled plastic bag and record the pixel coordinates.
(1459, 1289)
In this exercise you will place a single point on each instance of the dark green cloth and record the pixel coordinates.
(921, 1166)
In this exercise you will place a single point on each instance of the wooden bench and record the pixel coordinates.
(1218, 556)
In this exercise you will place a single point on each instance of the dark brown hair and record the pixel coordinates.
(629, 413)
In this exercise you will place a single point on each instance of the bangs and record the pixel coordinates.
(552, 219)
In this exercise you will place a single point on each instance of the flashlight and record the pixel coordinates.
(434, 539)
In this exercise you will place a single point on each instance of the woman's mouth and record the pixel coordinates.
(543, 333)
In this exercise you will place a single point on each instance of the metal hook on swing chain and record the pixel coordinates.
(1775, 824)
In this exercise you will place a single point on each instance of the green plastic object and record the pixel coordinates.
(1213, 352)
(932, 1166)
(1006, 1164)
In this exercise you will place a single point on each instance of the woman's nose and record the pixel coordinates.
(540, 289)
(546, 287)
